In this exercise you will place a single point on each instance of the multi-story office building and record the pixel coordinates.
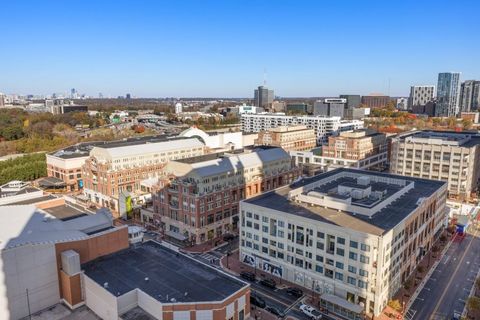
(331, 107)
(449, 156)
(297, 108)
(448, 94)
(353, 236)
(353, 100)
(263, 97)
(420, 96)
(470, 96)
(323, 126)
(295, 138)
(402, 104)
(113, 170)
(375, 101)
(196, 199)
(351, 149)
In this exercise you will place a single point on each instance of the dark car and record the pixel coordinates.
(270, 283)
(257, 301)
(275, 311)
(247, 275)
(295, 292)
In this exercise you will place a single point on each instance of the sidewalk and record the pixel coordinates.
(205, 247)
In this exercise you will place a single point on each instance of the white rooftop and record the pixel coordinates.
(27, 225)
(148, 148)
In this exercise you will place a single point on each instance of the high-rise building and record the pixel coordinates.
(448, 94)
(2, 100)
(323, 126)
(263, 97)
(345, 234)
(420, 96)
(353, 100)
(402, 104)
(453, 157)
(73, 93)
(128, 96)
(178, 108)
(470, 96)
(332, 107)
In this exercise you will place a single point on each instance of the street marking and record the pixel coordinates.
(461, 300)
(420, 299)
(428, 289)
(433, 279)
(453, 275)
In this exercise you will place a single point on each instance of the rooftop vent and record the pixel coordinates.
(105, 285)
(363, 181)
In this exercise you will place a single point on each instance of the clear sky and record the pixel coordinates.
(220, 48)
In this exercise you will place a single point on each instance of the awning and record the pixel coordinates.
(176, 235)
(51, 182)
(342, 303)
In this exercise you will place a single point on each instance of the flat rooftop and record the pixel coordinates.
(377, 224)
(170, 275)
(64, 212)
(465, 139)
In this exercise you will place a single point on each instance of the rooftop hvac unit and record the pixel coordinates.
(70, 262)
(363, 180)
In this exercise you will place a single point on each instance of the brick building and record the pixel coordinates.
(113, 170)
(197, 198)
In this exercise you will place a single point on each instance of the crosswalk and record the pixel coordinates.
(209, 257)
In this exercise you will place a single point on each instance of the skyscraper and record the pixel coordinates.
(470, 96)
(73, 93)
(2, 100)
(420, 95)
(263, 97)
(128, 96)
(448, 94)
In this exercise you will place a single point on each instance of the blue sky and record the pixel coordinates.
(220, 48)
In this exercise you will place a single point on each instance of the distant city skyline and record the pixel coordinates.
(221, 49)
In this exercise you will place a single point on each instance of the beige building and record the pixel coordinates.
(112, 171)
(294, 138)
(197, 199)
(353, 236)
(353, 149)
(453, 157)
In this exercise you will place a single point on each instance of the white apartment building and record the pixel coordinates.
(420, 95)
(323, 126)
(353, 236)
(453, 157)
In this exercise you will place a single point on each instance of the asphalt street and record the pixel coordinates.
(447, 289)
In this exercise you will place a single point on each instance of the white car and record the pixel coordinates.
(310, 312)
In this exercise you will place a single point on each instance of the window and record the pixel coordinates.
(256, 226)
(364, 259)
(265, 240)
(352, 269)
(249, 214)
(320, 246)
(340, 240)
(320, 235)
(265, 219)
(353, 256)
(339, 265)
(329, 273)
(330, 262)
(362, 284)
(340, 252)
(365, 247)
(363, 273)
(339, 276)
(264, 249)
(280, 234)
(256, 216)
(319, 258)
(265, 229)
(354, 244)
(319, 268)
(352, 281)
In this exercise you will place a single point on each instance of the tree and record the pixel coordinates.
(473, 306)
(395, 304)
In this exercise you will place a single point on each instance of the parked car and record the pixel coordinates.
(297, 293)
(257, 301)
(269, 283)
(275, 311)
(247, 275)
(310, 312)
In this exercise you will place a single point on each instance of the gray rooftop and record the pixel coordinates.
(378, 224)
(83, 149)
(464, 139)
(170, 275)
